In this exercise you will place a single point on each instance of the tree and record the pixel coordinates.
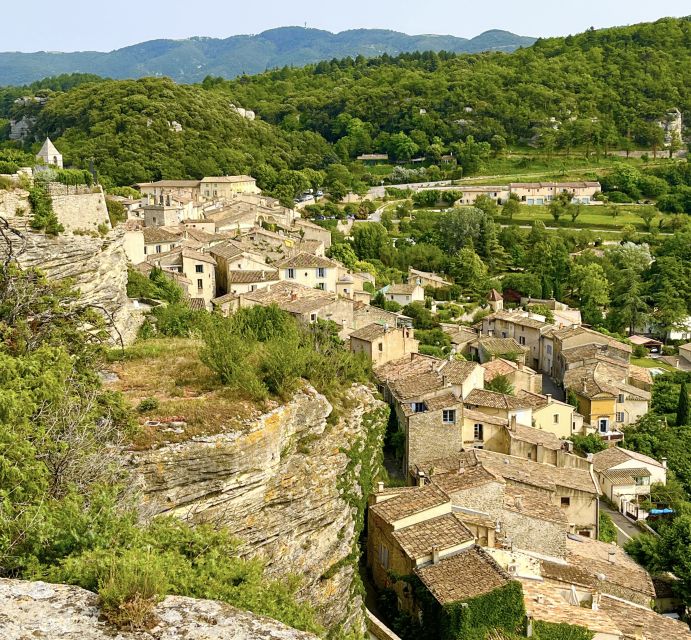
(470, 272)
(344, 253)
(500, 384)
(401, 147)
(486, 204)
(589, 283)
(647, 214)
(511, 206)
(369, 239)
(683, 405)
(560, 205)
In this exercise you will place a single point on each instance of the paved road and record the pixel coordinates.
(625, 528)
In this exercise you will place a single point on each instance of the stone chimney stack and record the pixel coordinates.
(435, 554)
(664, 462)
(549, 398)
(512, 423)
(380, 487)
(612, 556)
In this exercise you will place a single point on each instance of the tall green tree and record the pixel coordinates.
(683, 405)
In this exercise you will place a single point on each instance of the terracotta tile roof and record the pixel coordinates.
(371, 332)
(486, 398)
(602, 380)
(228, 179)
(292, 297)
(458, 371)
(251, 277)
(405, 367)
(304, 260)
(444, 401)
(154, 235)
(596, 351)
(443, 532)
(592, 556)
(428, 276)
(484, 418)
(548, 603)
(567, 574)
(532, 504)
(556, 185)
(402, 289)
(498, 367)
(617, 455)
(625, 477)
(409, 503)
(536, 436)
(462, 478)
(534, 400)
(171, 184)
(226, 250)
(476, 519)
(494, 296)
(640, 373)
(228, 297)
(196, 304)
(415, 386)
(458, 334)
(499, 346)
(470, 573)
(308, 224)
(639, 622)
(570, 332)
(191, 254)
(520, 318)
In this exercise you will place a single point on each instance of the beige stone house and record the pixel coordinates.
(311, 231)
(542, 193)
(522, 326)
(309, 270)
(232, 259)
(483, 349)
(522, 378)
(159, 191)
(426, 279)
(460, 336)
(501, 405)
(159, 240)
(498, 193)
(404, 294)
(197, 267)
(553, 416)
(225, 187)
(626, 476)
(382, 343)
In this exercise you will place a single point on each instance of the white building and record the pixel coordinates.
(49, 154)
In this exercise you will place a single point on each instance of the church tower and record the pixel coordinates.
(49, 154)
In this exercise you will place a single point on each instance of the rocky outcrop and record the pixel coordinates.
(43, 611)
(96, 265)
(291, 486)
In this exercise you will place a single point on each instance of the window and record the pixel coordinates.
(449, 416)
(290, 274)
(321, 272)
(321, 286)
(380, 346)
(383, 555)
(620, 416)
(144, 249)
(199, 268)
(313, 317)
(642, 481)
(566, 502)
(548, 348)
(555, 418)
(477, 431)
(620, 399)
(504, 335)
(200, 284)
(158, 248)
(521, 340)
(419, 407)
(603, 425)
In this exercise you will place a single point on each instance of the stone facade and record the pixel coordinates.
(281, 486)
(79, 209)
(44, 611)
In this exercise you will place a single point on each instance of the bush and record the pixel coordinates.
(607, 530)
(176, 320)
(148, 404)
(43, 217)
(618, 197)
(588, 444)
(128, 595)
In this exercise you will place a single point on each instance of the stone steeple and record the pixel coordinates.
(49, 154)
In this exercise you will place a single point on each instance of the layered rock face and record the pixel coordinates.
(289, 486)
(43, 611)
(97, 266)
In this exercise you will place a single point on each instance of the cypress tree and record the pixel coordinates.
(683, 406)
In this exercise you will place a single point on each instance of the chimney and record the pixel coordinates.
(520, 366)
(612, 556)
(638, 633)
(435, 554)
(585, 385)
(380, 487)
(420, 478)
(518, 502)
(664, 462)
(549, 398)
(512, 423)
(595, 604)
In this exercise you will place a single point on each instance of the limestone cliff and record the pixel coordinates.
(43, 611)
(290, 485)
(97, 265)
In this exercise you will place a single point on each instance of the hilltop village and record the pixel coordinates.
(494, 518)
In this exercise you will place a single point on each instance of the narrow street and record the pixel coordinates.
(625, 528)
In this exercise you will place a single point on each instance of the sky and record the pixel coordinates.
(103, 25)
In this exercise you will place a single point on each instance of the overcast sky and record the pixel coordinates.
(102, 25)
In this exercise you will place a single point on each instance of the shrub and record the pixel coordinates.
(607, 530)
(43, 217)
(588, 444)
(148, 404)
(128, 594)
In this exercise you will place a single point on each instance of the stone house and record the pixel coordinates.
(158, 240)
(163, 189)
(226, 187)
(542, 193)
(460, 336)
(246, 281)
(484, 349)
(523, 326)
(605, 399)
(311, 231)
(553, 416)
(522, 378)
(625, 476)
(404, 294)
(162, 215)
(351, 285)
(309, 270)
(571, 488)
(499, 404)
(426, 279)
(232, 260)
(382, 343)
(498, 193)
(685, 352)
(197, 267)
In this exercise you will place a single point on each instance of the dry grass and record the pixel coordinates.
(186, 390)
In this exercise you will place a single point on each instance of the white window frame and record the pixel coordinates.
(448, 416)
(321, 272)
(478, 432)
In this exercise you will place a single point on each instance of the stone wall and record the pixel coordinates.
(284, 486)
(79, 208)
(531, 534)
(430, 439)
(44, 611)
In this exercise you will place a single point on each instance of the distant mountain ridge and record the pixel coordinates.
(193, 59)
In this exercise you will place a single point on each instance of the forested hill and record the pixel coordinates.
(600, 90)
(594, 88)
(192, 59)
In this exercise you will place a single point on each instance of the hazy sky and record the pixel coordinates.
(102, 25)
